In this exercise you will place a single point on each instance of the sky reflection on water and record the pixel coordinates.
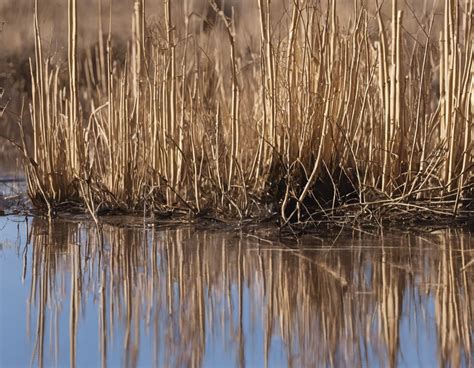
(184, 297)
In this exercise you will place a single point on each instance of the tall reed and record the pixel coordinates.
(320, 118)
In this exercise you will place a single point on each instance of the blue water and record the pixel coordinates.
(187, 297)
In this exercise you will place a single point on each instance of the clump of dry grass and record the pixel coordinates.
(314, 118)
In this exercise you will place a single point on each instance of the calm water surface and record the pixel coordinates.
(146, 296)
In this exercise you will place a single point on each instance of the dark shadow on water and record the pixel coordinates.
(182, 297)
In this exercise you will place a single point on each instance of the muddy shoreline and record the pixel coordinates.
(14, 201)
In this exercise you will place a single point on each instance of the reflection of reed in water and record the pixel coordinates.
(454, 313)
(183, 290)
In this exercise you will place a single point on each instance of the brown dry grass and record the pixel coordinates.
(290, 106)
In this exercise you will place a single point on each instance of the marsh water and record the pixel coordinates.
(141, 294)
(146, 295)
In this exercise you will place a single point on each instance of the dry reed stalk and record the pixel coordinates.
(268, 73)
(176, 125)
(74, 128)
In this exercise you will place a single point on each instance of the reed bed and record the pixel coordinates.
(312, 120)
(358, 300)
